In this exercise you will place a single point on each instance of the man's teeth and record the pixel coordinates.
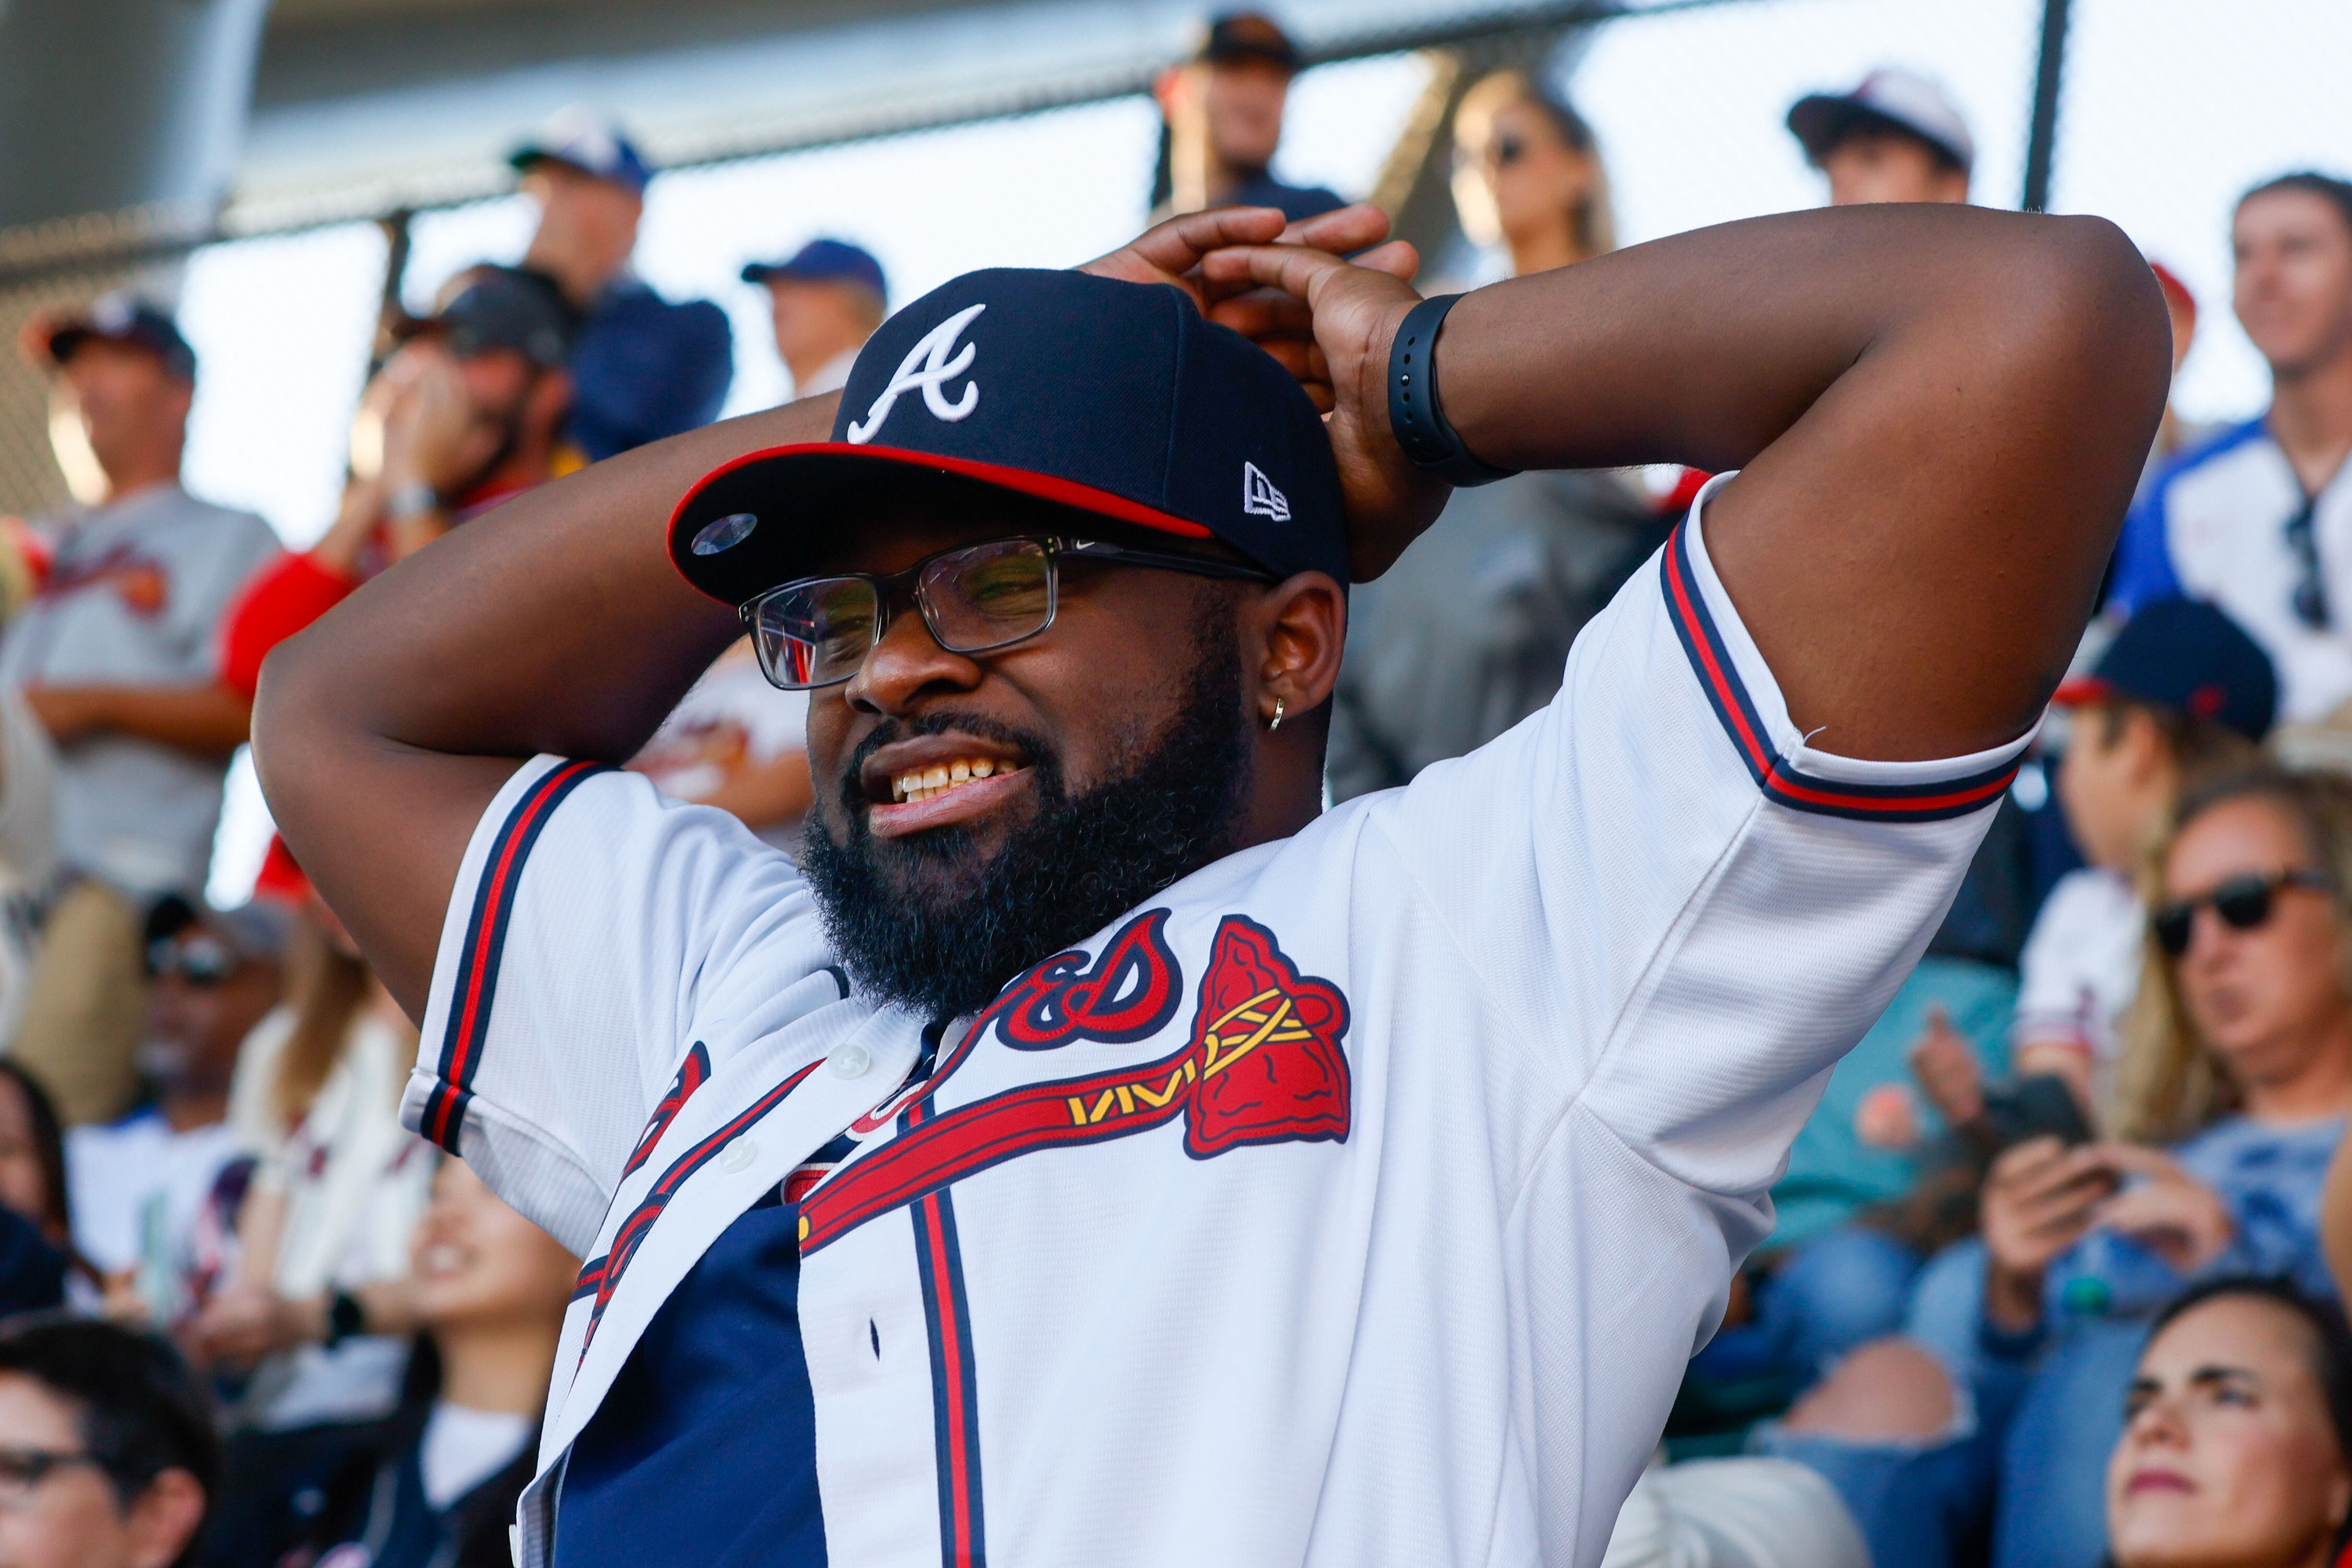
(922, 784)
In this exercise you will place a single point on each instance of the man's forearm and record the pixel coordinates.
(556, 624)
(204, 721)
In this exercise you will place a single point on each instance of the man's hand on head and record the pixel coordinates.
(1354, 309)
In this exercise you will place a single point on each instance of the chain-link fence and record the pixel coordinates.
(2169, 109)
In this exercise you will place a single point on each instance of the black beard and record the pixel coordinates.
(940, 932)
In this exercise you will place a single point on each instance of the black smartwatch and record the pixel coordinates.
(345, 1318)
(1414, 412)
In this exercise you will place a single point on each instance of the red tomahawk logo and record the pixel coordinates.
(1264, 1066)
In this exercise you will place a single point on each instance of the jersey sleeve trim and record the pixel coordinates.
(1950, 789)
(475, 981)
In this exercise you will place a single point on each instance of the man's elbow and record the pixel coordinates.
(290, 720)
(2094, 293)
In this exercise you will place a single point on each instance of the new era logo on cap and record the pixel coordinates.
(1117, 399)
(1259, 498)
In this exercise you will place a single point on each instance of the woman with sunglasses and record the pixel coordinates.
(2240, 1056)
(1468, 632)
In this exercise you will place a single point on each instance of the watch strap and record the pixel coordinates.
(1415, 415)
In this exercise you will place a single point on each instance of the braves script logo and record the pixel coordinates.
(1263, 1065)
(929, 365)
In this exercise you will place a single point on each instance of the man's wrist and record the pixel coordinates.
(1416, 417)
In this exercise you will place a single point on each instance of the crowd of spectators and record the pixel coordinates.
(2058, 1267)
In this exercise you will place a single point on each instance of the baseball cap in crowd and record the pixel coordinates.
(1116, 398)
(120, 318)
(502, 308)
(592, 142)
(823, 261)
(1248, 36)
(208, 945)
(2189, 657)
(1889, 96)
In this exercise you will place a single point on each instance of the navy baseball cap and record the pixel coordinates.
(588, 142)
(1119, 399)
(503, 308)
(123, 319)
(823, 261)
(2187, 656)
(1239, 35)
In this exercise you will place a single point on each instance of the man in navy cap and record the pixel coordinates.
(116, 656)
(828, 298)
(1223, 111)
(643, 367)
(1103, 1153)
(1895, 137)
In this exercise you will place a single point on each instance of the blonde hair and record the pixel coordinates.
(2169, 1082)
(1595, 220)
(327, 987)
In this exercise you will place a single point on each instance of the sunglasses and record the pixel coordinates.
(201, 960)
(2242, 902)
(976, 599)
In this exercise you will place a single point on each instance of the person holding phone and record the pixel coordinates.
(2239, 1060)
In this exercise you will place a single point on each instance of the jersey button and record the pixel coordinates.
(737, 1156)
(850, 1061)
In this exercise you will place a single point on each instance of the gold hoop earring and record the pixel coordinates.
(1275, 723)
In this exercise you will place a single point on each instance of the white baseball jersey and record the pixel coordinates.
(1355, 1199)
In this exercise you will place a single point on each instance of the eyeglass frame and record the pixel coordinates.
(34, 1466)
(2269, 883)
(904, 586)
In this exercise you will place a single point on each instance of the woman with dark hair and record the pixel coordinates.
(1527, 176)
(35, 1235)
(2237, 1444)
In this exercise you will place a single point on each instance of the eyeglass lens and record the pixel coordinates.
(818, 632)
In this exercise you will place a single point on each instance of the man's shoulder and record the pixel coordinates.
(637, 306)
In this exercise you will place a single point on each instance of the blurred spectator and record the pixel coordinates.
(1469, 632)
(2181, 695)
(1222, 114)
(826, 298)
(644, 367)
(737, 743)
(1896, 137)
(439, 1487)
(2258, 519)
(466, 416)
(2237, 1444)
(1745, 1512)
(116, 658)
(2242, 1051)
(36, 1215)
(107, 1453)
(154, 1195)
(2174, 433)
(28, 843)
(320, 1294)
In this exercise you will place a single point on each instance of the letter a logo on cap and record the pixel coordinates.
(1260, 499)
(929, 366)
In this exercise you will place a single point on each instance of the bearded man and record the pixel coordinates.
(1105, 1154)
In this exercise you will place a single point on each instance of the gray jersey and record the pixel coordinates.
(135, 597)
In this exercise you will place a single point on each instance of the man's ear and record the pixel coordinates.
(164, 1518)
(1300, 627)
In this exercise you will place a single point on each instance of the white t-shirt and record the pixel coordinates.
(729, 719)
(462, 1449)
(2080, 966)
(1357, 1200)
(139, 1195)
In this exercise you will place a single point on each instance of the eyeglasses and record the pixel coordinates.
(202, 961)
(976, 599)
(22, 1470)
(2310, 596)
(2242, 902)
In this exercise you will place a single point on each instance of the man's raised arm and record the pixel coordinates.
(1939, 414)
